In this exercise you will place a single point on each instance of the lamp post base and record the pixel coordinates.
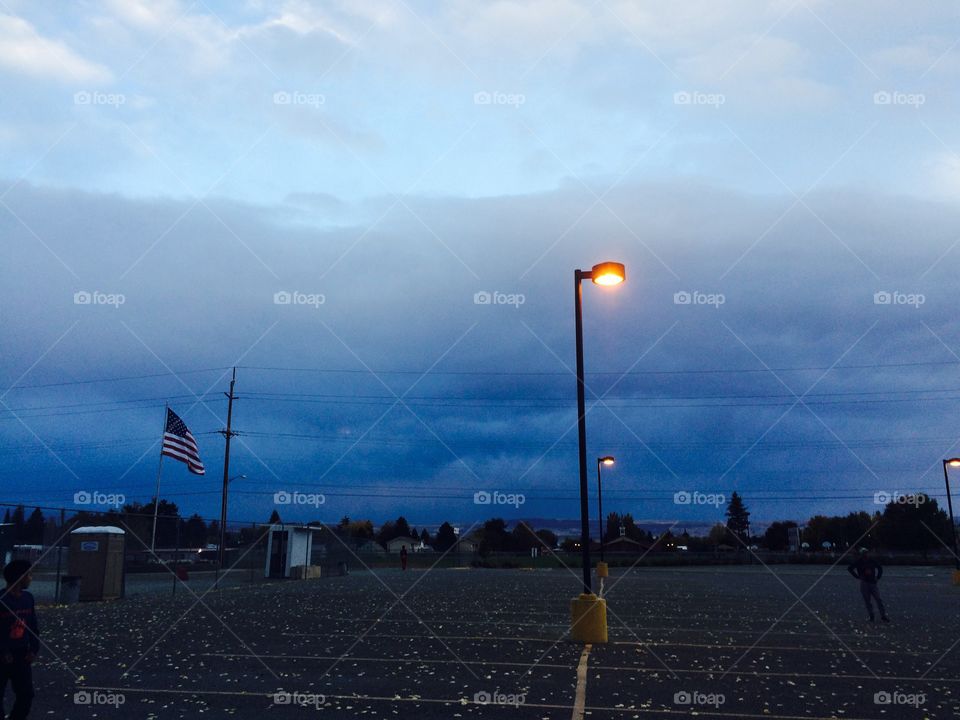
(588, 619)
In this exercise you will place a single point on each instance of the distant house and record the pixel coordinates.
(621, 546)
(393, 546)
(369, 547)
(422, 547)
(466, 546)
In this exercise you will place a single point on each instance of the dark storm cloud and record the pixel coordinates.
(198, 280)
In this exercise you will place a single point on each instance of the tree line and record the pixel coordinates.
(907, 523)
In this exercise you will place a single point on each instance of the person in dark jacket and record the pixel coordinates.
(868, 571)
(403, 557)
(19, 638)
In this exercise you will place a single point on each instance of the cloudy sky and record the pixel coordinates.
(324, 193)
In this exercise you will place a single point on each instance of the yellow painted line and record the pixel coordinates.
(580, 698)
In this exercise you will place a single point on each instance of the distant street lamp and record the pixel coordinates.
(952, 462)
(588, 613)
(608, 460)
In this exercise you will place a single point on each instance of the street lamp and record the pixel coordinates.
(588, 605)
(601, 461)
(952, 462)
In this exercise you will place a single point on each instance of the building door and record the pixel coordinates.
(278, 553)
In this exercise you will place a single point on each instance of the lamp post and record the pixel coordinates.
(601, 461)
(952, 462)
(588, 605)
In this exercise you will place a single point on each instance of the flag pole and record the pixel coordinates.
(156, 498)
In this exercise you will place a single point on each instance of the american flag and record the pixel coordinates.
(179, 444)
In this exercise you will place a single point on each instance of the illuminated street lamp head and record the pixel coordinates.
(953, 462)
(608, 460)
(608, 273)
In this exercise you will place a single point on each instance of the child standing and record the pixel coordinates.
(19, 638)
(868, 571)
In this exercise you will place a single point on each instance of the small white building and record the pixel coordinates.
(288, 546)
(393, 546)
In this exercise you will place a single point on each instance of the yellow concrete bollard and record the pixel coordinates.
(602, 570)
(588, 619)
(956, 577)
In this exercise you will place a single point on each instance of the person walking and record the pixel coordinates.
(19, 638)
(403, 557)
(868, 571)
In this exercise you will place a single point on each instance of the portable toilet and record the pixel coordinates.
(96, 558)
(6, 542)
(288, 546)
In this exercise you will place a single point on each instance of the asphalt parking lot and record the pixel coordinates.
(742, 641)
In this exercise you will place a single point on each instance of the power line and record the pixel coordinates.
(117, 378)
(504, 373)
(273, 395)
(702, 371)
(462, 401)
(99, 402)
(25, 414)
(612, 401)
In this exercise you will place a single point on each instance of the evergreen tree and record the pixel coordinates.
(33, 528)
(718, 534)
(213, 533)
(548, 538)
(386, 533)
(194, 532)
(19, 525)
(777, 536)
(914, 523)
(402, 527)
(612, 529)
(494, 536)
(522, 538)
(738, 519)
(446, 538)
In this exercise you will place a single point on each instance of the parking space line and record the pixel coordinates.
(655, 643)
(634, 643)
(611, 668)
(581, 696)
(658, 628)
(464, 701)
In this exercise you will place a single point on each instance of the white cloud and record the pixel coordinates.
(944, 175)
(24, 50)
(144, 14)
(762, 70)
(521, 30)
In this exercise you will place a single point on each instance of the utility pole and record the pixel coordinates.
(228, 433)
